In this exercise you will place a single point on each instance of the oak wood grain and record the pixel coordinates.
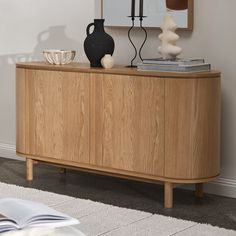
(29, 169)
(58, 117)
(117, 70)
(128, 120)
(168, 195)
(20, 111)
(114, 172)
(121, 122)
(192, 128)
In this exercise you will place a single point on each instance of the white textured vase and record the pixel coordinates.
(168, 37)
(107, 61)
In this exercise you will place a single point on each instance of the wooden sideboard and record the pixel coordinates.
(156, 127)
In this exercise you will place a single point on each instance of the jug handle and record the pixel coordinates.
(88, 28)
(40, 35)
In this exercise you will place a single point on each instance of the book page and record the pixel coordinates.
(29, 213)
(2, 217)
(64, 231)
(6, 224)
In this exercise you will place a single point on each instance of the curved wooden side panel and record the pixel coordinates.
(192, 128)
(20, 111)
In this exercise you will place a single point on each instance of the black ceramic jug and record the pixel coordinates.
(98, 43)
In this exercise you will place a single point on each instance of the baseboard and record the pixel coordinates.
(222, 186)
(9, 151)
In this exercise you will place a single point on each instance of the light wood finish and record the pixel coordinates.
(168, 198)
(117, 70)
(128, 121)
(116, 172)
(21, 111)
(58, 114)
(190, 15)
(192, 128)
(29, 169)
(199, 190)
(120, 122)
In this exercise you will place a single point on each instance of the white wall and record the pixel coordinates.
(29, 26)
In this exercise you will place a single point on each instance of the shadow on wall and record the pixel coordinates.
(53, 38)
(227, 136)
(7, 95)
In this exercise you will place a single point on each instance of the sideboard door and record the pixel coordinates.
(57, 111)
(127, 123)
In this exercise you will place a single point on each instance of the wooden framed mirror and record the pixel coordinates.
(116, 12)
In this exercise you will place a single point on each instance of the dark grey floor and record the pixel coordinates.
(214, 210)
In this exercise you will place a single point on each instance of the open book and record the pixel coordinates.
(19, 214)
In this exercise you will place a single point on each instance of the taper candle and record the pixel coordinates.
(132, 8)
(141, 8)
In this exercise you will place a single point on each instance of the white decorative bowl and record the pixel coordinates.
(59, 57)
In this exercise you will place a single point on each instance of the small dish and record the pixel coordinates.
(59, 57)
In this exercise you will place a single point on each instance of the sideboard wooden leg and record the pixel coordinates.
(29, 169)
(62, 170)
(168, 202)
(199, 190)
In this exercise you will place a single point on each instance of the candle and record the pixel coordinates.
(141, 8)
(133, 8)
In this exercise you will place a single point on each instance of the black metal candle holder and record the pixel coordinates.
(131, 41)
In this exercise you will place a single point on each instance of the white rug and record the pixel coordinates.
(100, 219)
